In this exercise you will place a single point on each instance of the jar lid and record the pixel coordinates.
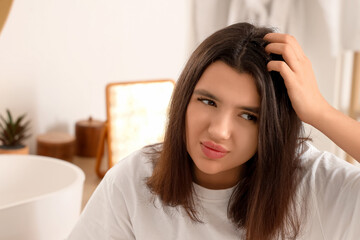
(90, 123)
(55, 137)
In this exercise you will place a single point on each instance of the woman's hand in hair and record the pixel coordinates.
(306, 99)
(298, 76)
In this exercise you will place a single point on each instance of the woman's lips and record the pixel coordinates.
(212, 150)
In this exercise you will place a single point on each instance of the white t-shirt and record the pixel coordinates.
(122, 206)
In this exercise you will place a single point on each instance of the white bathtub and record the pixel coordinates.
(40, 197)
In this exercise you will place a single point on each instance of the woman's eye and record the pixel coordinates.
(207, 101)
(248, 116)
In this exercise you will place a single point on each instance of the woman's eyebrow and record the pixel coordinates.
(205, 93)
(250, 109)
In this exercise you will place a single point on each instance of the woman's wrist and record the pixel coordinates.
(323, 117)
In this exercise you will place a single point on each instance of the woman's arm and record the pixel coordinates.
(309, 104)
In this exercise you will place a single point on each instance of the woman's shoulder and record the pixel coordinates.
(331, 188)
(313, 157)
(325, 168)
(137, 165)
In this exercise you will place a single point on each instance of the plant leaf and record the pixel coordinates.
(19, 119)
(13, 133)
(3, 119)
(9, 116)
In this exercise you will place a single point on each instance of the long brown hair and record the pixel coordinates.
(264, 201)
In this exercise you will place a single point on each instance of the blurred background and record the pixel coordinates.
(56, 57)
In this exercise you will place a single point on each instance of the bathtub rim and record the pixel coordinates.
(80, 178)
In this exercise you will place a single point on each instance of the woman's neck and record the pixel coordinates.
(222, 180)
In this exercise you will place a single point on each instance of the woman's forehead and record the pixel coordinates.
(225, 82)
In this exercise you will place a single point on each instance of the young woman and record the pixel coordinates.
(234, 163)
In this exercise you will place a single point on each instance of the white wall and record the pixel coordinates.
(56, 56)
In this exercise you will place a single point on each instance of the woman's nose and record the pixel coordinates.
(220, 127)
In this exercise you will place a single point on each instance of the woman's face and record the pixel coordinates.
(221, 125)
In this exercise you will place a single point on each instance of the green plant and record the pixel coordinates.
(13, 133)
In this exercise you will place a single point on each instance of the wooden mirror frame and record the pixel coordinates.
(106, 135)
(5, 6)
